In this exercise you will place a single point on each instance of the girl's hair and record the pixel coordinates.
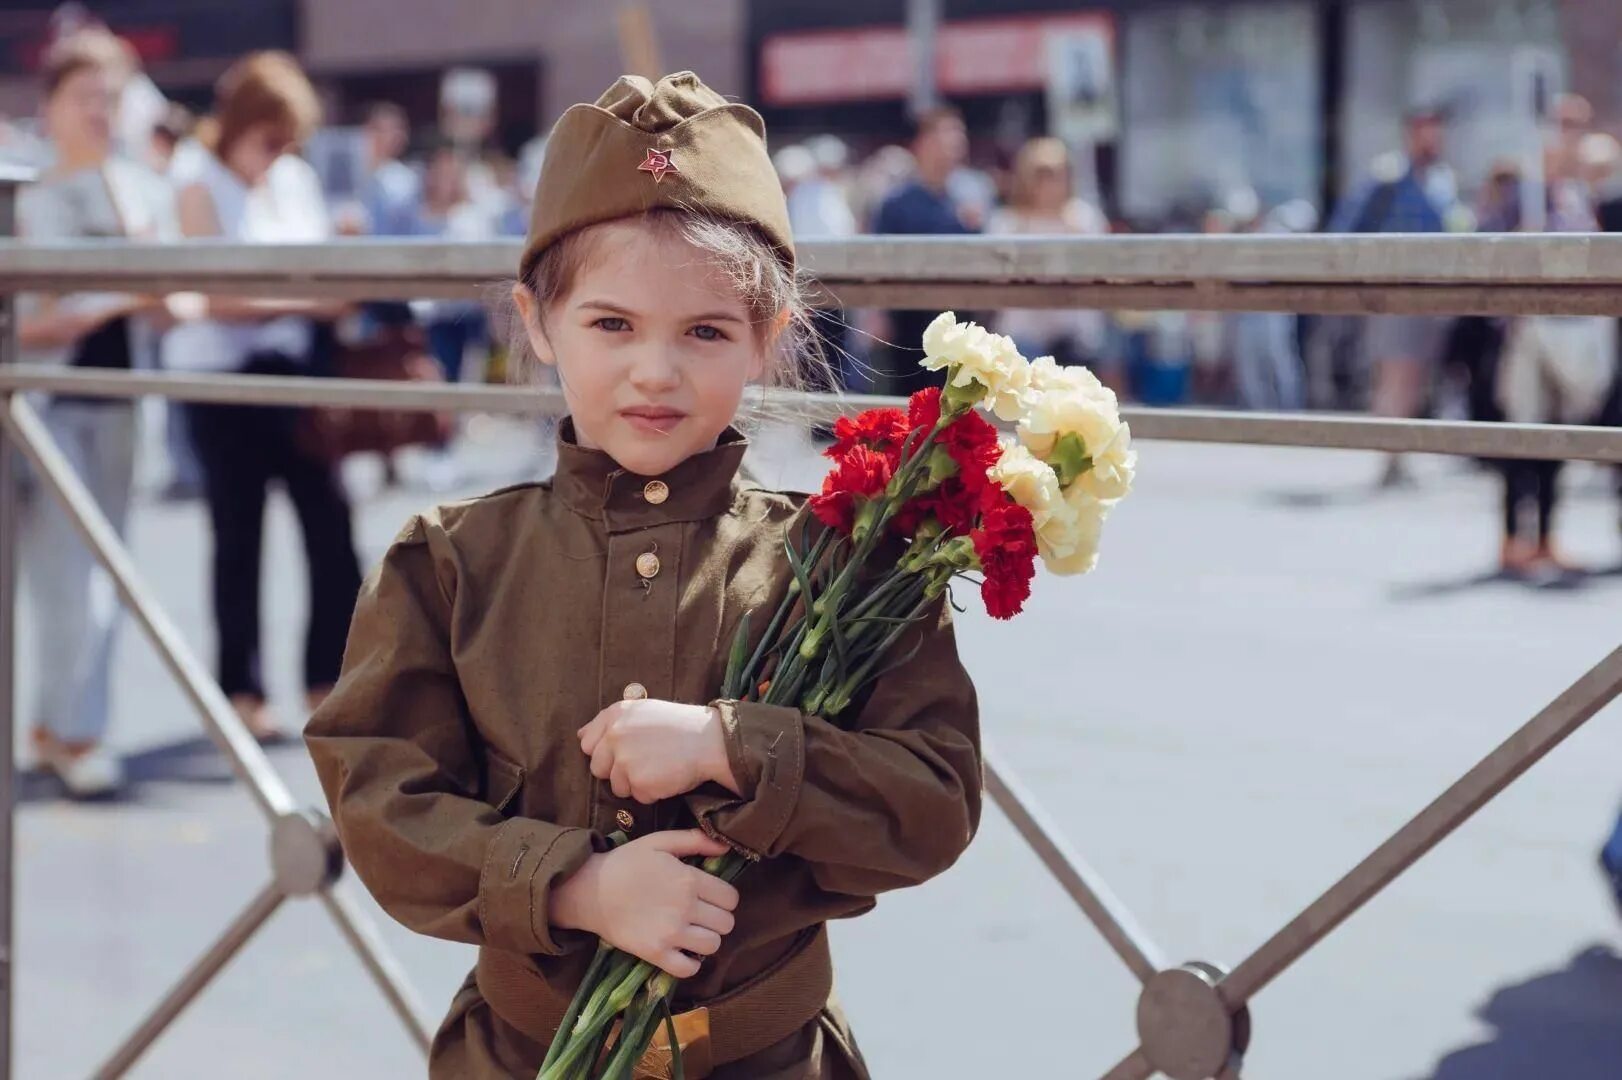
(265, 87)
(777, 299)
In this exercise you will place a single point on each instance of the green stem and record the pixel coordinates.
(611, 999)
(635, 1034)
(588, 987)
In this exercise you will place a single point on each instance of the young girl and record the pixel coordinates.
(532, 670)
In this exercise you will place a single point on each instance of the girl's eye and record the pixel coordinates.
(706, 332)
(612, 323)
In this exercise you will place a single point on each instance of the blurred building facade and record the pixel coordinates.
(1190, 98)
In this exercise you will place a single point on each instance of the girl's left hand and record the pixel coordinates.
(652, 750)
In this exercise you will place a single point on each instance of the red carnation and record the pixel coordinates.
(924, 408)
(859, 473)
(879, 429)
(1005, 544)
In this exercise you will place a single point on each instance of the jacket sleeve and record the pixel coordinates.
(414, 793)
(890, 802)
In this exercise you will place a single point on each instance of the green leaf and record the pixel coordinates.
(731, 686)
(1069, 458)
(677, 1070)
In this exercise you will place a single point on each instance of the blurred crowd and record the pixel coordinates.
(118, 160)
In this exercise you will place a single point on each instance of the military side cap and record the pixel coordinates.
(675, 143)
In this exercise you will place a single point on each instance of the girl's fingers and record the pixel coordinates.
(620, 781)
(592, 733)
(678, 963)
(699, 941)
(713, 918)
(602, 761)
(712, 890)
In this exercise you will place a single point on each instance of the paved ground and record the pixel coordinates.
(1270, 671)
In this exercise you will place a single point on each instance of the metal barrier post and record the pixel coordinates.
(10, 479)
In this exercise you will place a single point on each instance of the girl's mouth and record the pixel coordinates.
(653, 418)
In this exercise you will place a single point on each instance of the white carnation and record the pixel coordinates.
(972, 354)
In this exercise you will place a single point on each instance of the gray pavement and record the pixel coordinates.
(1271, 669)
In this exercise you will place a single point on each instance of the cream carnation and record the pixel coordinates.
(971, 354)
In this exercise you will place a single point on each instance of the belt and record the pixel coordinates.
(745, 1020)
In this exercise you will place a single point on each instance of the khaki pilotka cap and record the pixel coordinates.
(642, 145)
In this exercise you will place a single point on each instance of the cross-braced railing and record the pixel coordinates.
(1193, 1019)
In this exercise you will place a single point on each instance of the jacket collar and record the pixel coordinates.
(593, 485)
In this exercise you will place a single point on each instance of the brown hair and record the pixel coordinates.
(265, 87)
(88, 50)
(780, 312)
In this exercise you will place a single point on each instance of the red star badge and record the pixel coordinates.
(658, 163)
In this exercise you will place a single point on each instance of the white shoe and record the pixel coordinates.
(88, 774)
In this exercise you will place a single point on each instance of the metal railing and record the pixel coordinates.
(1192, 1019)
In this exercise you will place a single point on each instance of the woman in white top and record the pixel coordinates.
(242, 181)
(1042, 204)
(87, 193)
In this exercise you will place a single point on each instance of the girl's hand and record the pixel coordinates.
(641, 898)
(652, 750)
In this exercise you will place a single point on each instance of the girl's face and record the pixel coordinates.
(653, 346)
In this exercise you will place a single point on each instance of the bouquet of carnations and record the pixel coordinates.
(936, 484)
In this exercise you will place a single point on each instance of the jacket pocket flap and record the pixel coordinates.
(503, 779)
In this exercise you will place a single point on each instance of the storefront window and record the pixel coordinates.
(1473, 57)
(1217, 100)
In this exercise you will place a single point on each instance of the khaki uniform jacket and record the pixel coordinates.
(495, 628)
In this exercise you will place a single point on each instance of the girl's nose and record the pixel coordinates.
(655, 369)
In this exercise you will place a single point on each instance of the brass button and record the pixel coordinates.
(647, 564)
(625, 819)
(656, 492)
(635, 692)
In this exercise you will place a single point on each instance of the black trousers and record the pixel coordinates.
(242, 449)
(1531, 481)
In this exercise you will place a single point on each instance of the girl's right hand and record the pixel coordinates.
(642, 899)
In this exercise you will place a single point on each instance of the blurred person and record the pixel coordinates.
(1414, 192)
(818, 210)
(446, 211)
(243, 182)
(1043, 203)
(141, 105)
(1607, 183)
(1556, 369)
(88, 192)
(1268, 370)
(922, 206)
(391, 186)
(883, 171)
(174, 128)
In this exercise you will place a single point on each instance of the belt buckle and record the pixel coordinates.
(692, 1035)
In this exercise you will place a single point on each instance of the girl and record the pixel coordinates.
(534, 669)
(89, 192)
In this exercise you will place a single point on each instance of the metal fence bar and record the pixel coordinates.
(363, 938)
(10, 511)
(1135, 1066)
(1085, 887)
(1587, 696)
(245, 755)
(1313, 431)
(193, 981)
(1478, 274)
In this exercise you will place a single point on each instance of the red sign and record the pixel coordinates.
(974, 56)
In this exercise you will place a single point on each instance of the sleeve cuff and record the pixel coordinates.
(525, 860)
(766, 750)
